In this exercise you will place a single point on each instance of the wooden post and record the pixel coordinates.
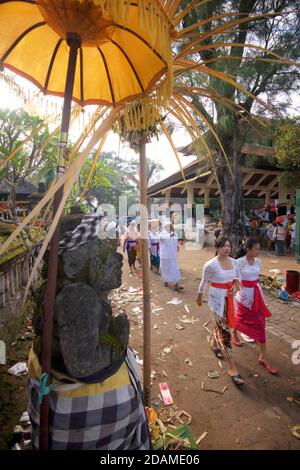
(145, 270)
(268, 197)
(7, 284)
(206, 205)
(168, 197)
(74, 42)
(2, 276)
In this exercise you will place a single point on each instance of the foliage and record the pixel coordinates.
(287, 141)
(113, 177)
(34, 159)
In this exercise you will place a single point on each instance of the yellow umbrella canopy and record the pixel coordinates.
(125, 47)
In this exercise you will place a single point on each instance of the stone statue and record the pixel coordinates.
(87, 338)
(95, 398)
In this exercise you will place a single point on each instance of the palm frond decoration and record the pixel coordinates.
(174, 94)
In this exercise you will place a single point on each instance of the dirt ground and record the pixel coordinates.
(256, 416)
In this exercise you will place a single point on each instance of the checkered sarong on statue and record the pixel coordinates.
(82, 417)
(83, 233)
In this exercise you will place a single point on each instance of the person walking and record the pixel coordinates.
(130, 245)
(279, 238)
(153, 242)
(251, 310)
(168, 245)
(221, 271)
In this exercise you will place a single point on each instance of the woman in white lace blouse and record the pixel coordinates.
(221, 272)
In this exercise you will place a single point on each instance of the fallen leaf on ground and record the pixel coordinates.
(186, 309)
(183, 376)
(213, 374)
(295, 430)
(188, 361)
(291, 399)
(186, 320)
(175, 301)
(201, 437)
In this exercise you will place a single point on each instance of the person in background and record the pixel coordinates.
(272, 214)
(270, 236)
(221, 272)
(168, 246)
(139, 246)
(293, 236)
(153, 242)
(130, 245)
(251, 310)
(279, 238)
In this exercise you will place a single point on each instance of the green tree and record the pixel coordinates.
(273, 81)
(287, 142)
(123, 177)
(86, 197)
(32, 160)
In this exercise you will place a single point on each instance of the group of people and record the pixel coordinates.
(237, 302)
(278, 230)
(163, 248)
(235, 296)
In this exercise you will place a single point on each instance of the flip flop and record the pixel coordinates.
(217, 352)
(270, 369)
(236, 341)
(236, 380)
(247, 338)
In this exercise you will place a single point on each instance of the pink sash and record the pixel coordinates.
(258, 303)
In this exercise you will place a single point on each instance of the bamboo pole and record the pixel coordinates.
(145, 269)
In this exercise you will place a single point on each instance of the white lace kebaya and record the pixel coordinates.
(213, 272)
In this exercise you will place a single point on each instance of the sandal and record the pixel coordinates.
(270, 369)
(177, 287)
(236, 341)
(218, 353)
(236, 379)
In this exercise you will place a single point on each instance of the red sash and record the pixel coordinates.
(258, 302)
(230, 298)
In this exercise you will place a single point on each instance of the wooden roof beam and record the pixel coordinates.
(256, 185)
(269, 187)
(247, 178)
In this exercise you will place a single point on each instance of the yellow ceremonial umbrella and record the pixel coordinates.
(109, 52)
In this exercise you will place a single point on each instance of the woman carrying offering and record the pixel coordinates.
(221, 272)
(251, 311)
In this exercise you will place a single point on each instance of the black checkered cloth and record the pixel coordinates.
(83, 233)
(112, 420)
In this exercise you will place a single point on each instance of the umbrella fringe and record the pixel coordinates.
(152, 20)
(145, 112)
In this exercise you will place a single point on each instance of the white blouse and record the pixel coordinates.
(248, 273)
(213, 272)
(152, 241)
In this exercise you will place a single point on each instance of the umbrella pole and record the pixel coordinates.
(145, 269)
(74, 42)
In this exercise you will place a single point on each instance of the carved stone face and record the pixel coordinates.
(96, 263)
(105, 269)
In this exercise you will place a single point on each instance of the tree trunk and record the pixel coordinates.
(231, 185)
